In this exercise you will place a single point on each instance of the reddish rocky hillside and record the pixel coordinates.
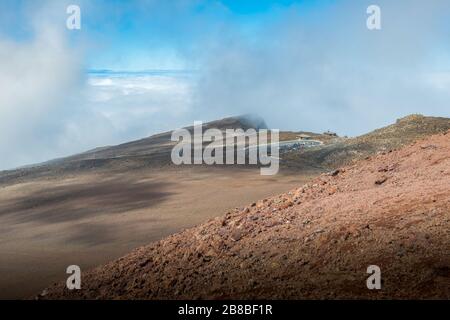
(390, 210)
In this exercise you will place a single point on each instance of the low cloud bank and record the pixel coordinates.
(301, 68)
(50, 106)
(323, 69)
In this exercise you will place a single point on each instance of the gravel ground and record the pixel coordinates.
(391, 210)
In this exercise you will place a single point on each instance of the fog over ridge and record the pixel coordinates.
(298, 67)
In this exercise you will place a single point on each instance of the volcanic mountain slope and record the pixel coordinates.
(150, 152)
(161, 143)
(391, 210)
(338, 151)
(155, 151)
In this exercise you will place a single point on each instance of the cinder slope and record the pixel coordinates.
(390, 210)
(339, 151)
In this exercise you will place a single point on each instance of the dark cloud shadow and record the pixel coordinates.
(78, 201)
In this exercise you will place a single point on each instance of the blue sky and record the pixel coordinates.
(166, 34)
(131, 35)
(301, 65)
(156, 34)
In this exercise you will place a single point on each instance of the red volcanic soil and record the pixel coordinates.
(391, 210)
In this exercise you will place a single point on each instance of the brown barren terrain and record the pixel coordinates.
(90, 218)
(390, 210)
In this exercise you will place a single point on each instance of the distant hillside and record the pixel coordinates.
(153, 151)
(342, 151)
(161, 143)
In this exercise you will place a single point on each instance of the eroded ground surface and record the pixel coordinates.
(390, 210)
(90, 218)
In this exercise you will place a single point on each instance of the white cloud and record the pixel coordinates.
(36, 79)
(138, 105)
(324, 70)
(50, 108)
